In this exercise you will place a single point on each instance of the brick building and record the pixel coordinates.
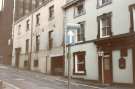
(6, 14)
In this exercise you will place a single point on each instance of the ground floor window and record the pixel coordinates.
(79, 63)
(36, 63)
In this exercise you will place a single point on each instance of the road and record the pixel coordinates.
(29, 80)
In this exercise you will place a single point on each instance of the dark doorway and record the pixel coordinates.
(17, 56)
(57, 65)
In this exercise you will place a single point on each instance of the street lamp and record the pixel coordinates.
(101, 54)
(70, 40)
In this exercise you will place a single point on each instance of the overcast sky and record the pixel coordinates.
(0, 4)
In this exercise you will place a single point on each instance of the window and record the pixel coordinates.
(81, 32)
(38, 19)
(36, 63)
(51, 12)
(79, 63)
(105, 27)
(27, 46)
(19, 29)
(104, 23)
(79, 9)
(37, 43)
(27, 25)
(50, 39)
(25, 63)
(101, 3)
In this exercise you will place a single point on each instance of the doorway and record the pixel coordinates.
(17, 56)
(57, 65)
(105, 68)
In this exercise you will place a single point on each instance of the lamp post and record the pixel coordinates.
(70, 40)
(101, 54)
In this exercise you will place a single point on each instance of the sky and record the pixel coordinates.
(0, 5)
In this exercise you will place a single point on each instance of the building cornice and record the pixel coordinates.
(33, 11)
(70, 3)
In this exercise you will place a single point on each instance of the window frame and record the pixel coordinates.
(37, 43)
(132, 18)
(80, 37)
(108, 31)
(27, 46)
(50, 39)
(103, 4)
(75, 66)
(38, 19)
(27, 25)
(83, 12)
(51, 12)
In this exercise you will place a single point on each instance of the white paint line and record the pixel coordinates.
(19, 79)
(77, 84)
(11, 85)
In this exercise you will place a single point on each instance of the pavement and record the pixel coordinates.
(23, 79)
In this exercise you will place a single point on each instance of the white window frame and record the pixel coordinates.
(101, 29)
(100, 3)
(76, 65)
(134, 18)
(76, 14)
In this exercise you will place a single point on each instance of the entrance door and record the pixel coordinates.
(17, 57)
(57, 65)
(107, 68)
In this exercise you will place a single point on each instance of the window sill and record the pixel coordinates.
(103, 5)
(80, 73)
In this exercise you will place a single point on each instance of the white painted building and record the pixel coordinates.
(38, 39)
(104, 49)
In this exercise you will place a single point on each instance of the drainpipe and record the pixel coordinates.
(30, 58)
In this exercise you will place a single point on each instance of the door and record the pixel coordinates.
(17, 54)
(57, 65)
(107, 68)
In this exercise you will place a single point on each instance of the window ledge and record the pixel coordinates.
(105, 4)
(79, 73)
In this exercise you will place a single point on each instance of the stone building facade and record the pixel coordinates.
(104, 45)
(38, 39)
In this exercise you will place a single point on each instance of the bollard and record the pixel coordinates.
(1, 84)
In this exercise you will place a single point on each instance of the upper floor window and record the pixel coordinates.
(79, 9)
(27, 46)
(51, 12)
(79, 63)
(101, 3)
(27, 25)
(50, 39)
(19, 29)
(104, 23)
(37, 43)
(81, 32)
(38, 19)
(132, 17)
